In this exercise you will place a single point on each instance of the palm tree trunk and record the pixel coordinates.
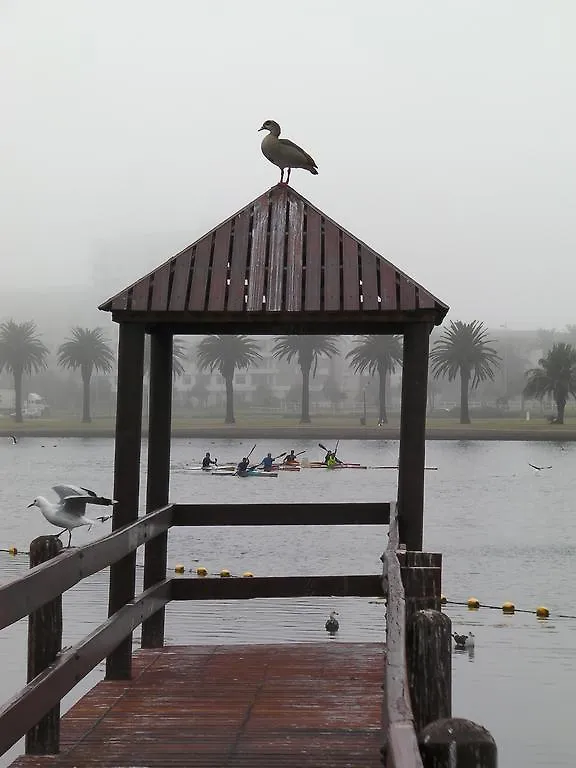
(305, 417)
(561, 405)
(464, 387)
(229, 400)
(383, 417)
(86, 419)
(18, 394)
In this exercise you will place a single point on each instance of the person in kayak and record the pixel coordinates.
(330, 459)
(267, 462)
(207, 461)
(291, 458)
(243, 465)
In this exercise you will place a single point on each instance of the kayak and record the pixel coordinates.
(344, 465)
(228, 473)
(286, 467)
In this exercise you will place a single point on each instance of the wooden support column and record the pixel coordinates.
(158, 486)
(44, 645)
(126, 480)
(413, 435)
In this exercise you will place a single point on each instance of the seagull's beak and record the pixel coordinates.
(32, 505)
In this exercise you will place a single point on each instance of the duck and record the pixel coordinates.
(464, 641)
(332, 624)
(284, 153)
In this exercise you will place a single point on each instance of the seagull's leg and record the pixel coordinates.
(69, 538)
(61, 532)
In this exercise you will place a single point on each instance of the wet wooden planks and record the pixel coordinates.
(288, 706)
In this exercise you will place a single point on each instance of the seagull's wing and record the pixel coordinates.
(75, 505)
(65, 491)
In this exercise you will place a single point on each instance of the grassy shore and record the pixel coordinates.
(322, 428)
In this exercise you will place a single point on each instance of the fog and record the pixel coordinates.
(443, 132)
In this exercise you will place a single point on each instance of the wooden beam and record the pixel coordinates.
(413, 435)
(249, 588)
(126, 480)
(29, 705)
(341, 513)
(158, 484)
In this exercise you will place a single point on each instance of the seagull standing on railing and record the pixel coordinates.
(68, 513)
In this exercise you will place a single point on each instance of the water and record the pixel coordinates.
(507, 533)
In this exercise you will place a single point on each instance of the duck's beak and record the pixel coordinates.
(261, 129)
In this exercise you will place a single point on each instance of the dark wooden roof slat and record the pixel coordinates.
(313, 264)
(294, 255)
(141, 295)
(160, 288)
(331, 266)
(369, 280)
(197, 298)
(350, 273)
(219, 274)
(119, 302)
(276, 255)
(238, 262)
(407, 294)
(387, 286)
(425, 300)
(182, 274)
(258, 257)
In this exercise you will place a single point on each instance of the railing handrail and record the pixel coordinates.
(402, 740)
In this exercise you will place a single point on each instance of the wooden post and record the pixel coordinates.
(429, 661)
(457, 743)
(413, 434)
(126, 480)
(44, 645)
(158, 486)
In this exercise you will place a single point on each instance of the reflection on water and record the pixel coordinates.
(506, 531)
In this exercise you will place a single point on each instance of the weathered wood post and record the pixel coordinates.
(457, 743)
(429, 656)
(44, 645)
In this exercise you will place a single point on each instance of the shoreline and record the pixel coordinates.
(313, 432)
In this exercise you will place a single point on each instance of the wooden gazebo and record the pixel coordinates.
(278, 266)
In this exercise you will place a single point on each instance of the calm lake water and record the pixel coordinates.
(506, 531)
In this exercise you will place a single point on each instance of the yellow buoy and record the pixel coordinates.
(224, 573)
(542, 612)
(473, 604)
(13, 551)
(201, 571)
(508, 607)
(443, 599)
(247, 574)
(179, 568)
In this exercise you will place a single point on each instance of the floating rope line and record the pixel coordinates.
(507, 608)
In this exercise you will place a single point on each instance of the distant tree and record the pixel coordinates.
(377, 354)
(555, 377)
(179, 355)
(570, 335)
(264, 396)
(464, 350)
(332, 391)
(200, 389)
(306, 350)
(545, 338)
(225, 354)
(21, 351)
(89, 351)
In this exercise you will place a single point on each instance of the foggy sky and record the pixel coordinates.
(443, 132)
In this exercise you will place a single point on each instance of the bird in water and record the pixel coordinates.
(332, 624)
(284, 153)
(463, 642)
(13, 438)
(68, 513)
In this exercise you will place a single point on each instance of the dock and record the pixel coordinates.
(289, 706)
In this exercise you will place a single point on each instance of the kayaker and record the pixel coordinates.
(207, 461)
(291, 458)
(243, 465)
(331, 461)
(267, 462)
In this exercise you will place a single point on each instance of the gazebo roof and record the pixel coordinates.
(278, 264)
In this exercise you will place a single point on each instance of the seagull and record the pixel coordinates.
(538, 468)
(464, 641)
(332, 625)
(284, 153)
(68, 513)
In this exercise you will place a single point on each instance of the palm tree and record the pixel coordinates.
(179, 354)
(21, 351)
(380, 355)
(88, 350)
(463, 350)
(556, 376)
(225, 354)
(306, 350)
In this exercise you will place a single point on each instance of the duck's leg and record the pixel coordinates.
(281, 175)
(288, 177)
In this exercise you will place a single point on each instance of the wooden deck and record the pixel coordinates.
(240, 706)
